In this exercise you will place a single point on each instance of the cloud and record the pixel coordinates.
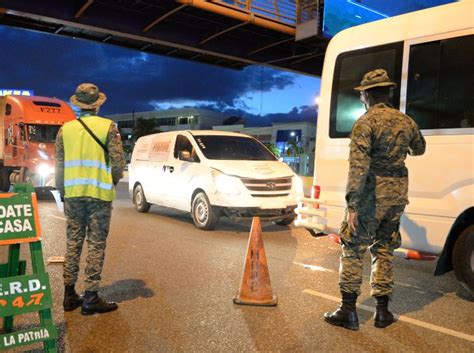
(303, 113)
(179, 103)
(53, 66)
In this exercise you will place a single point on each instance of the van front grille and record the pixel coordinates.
(268, 185)
(269, 195)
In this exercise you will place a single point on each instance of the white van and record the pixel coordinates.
(212, 174)
(430, 55)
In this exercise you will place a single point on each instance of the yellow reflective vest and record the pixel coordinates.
(86, 172)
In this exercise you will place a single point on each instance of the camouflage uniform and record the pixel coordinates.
(86, 215)
(377, 188)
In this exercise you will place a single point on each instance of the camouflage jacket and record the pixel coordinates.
(380, 142)
(116, 155)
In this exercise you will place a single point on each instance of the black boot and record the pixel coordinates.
(93, 304)
(383, 317)
(71, 299)
(346, 315)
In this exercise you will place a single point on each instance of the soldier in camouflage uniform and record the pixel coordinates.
(376, 195)
(88, 198)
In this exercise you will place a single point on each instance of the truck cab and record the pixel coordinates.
(28, 129)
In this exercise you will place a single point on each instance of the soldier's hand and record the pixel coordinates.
(353, 222)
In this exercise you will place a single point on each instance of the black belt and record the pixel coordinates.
(394, 173)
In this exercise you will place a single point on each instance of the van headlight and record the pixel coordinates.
(44, 170)
(299, 185)
(226, 184)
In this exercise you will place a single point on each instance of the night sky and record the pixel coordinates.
(53, 66)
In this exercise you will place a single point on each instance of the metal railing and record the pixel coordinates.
(290, 12)
(284, 11)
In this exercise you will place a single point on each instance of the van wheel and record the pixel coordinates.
(205, 216)
(286, 221)
(139, 200)
(463, 259)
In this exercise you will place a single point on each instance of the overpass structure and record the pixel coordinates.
(284, 34)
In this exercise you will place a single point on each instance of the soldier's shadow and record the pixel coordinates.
(127, 289)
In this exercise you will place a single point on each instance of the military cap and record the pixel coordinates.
(87, 96)
(375, 78)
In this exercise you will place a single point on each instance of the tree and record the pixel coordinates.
(273, 149)
(294, 150)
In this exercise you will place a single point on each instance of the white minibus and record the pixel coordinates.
(430, 55)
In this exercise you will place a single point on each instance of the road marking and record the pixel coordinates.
(412, 286)
(314, 267)
(57, 217)
(423, 324)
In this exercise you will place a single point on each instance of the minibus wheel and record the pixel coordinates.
(463, 259)
(205, 216)
(139, 200)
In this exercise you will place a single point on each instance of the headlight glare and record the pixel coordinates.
(226, 184)
(44, 170)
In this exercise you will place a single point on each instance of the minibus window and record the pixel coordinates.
(42, 133)
(346, 107)
(233, 148)
(439, 87)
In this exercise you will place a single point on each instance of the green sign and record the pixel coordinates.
(33, 335)
(24, 294)
(18, 218)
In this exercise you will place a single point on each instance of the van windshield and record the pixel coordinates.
(42, 133)
(233, 148)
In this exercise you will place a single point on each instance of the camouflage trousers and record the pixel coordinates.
(87, 219)
(378, 230)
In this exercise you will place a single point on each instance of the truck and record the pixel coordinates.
(28, 129)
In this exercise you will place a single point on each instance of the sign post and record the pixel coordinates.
(21, 293)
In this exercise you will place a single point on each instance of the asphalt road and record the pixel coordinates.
(175, 284)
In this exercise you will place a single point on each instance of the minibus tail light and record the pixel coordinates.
(315, 191)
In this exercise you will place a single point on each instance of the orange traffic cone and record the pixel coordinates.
(255, 287)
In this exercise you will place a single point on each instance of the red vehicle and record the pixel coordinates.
(28, 128)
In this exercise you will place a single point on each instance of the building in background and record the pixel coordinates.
(168, 120)
(293, 142)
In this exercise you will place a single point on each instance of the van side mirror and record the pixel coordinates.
(185, 156)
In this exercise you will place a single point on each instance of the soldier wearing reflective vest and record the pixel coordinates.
(89, 163)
